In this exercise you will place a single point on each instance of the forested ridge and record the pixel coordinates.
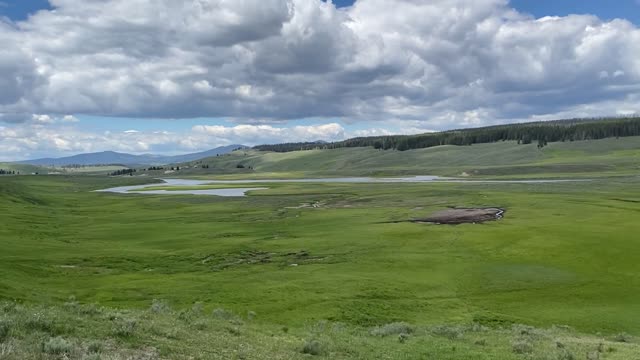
(525, 133)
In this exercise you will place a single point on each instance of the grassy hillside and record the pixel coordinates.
(24, 169)
(541, 132)
(561, 159)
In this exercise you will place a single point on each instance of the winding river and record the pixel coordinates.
(140, 189)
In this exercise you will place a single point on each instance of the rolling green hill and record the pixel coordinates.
(541, 133)
(602, 157)
(23, 169)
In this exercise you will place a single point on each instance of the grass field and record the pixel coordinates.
(565, 254)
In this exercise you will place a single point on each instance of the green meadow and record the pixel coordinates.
(332, 270)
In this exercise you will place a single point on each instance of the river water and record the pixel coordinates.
(137, 189)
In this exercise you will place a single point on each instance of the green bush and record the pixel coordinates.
(57, 346)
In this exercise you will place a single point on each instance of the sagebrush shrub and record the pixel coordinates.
(396, 328)
(526, 330)
(200, 325)
(234, 330)
(403, 337)
(125, 328)
(566, 355)
(223, 314)
(623, 337)
(90, 310)
(57, 346)
(8, 307)
(95, 347)
(72, 303)
(522, 347)
(159, 306)
(450, 332)
(4, 330)
(197, 309)
(593, 355)
(312, 347)
(39, 322)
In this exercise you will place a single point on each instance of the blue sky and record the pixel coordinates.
(88, 77)
(20, 9)
(605, 9)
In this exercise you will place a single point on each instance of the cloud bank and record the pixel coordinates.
(441, 63)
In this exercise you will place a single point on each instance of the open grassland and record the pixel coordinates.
(299, 254)
(606, 157)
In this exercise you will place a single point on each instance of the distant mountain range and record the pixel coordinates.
(112, 157)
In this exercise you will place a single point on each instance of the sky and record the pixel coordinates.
(167, 77)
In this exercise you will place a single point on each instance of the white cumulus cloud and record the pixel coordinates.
(292, 59)
(433, 65)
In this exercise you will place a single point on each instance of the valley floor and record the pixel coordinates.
(333, 270)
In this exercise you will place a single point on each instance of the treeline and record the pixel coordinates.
(525, 133)
(123, 172)
(83, 166)
(8, 172)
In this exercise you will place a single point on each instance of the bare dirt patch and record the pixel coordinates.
(463, 216)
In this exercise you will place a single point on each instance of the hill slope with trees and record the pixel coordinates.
(540, 133)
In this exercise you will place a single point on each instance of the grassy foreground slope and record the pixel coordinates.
(91, 332)
(603, 157)
(565, 254)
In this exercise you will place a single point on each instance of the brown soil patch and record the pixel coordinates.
(463, 216)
